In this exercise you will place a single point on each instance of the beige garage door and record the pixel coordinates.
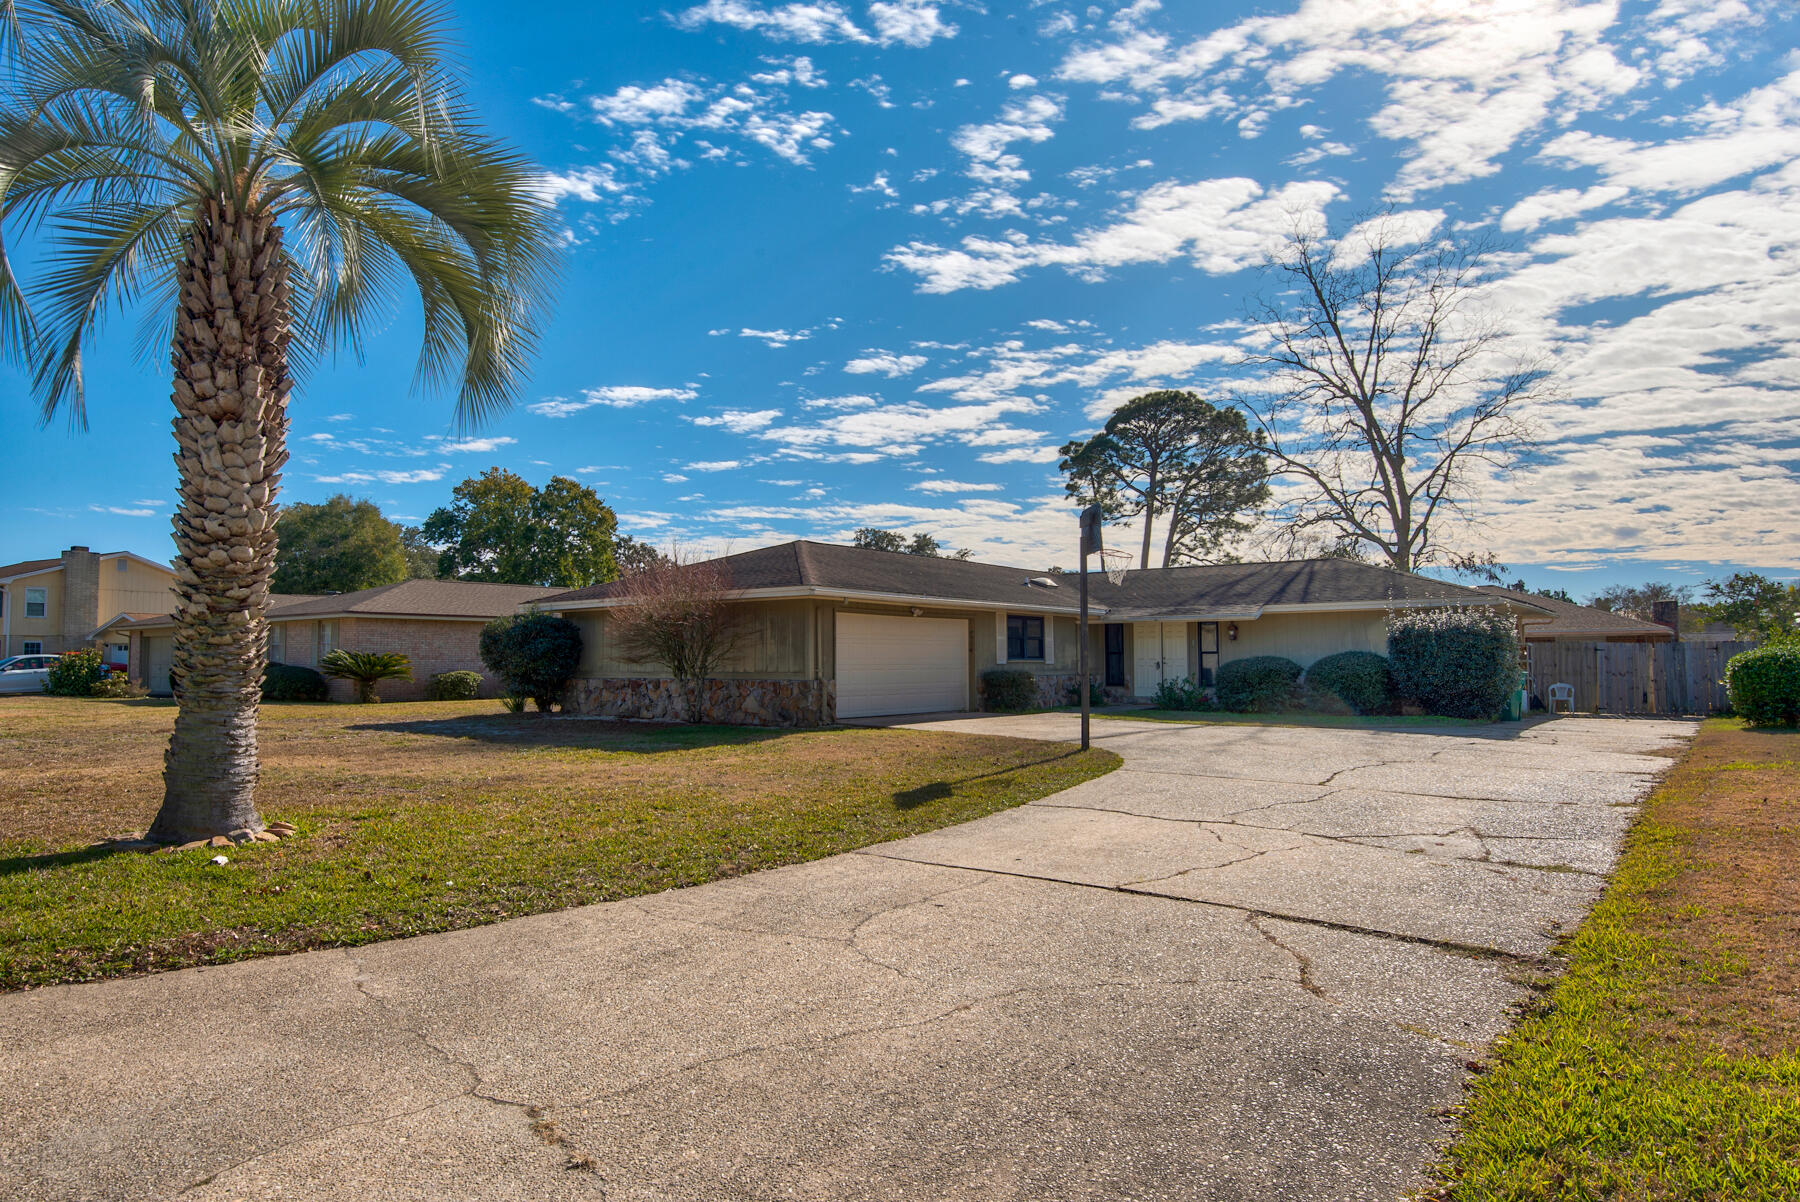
(901, 665)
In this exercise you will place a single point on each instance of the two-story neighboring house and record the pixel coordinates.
(48, 606)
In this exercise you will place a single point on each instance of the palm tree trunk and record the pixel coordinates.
(230, 392)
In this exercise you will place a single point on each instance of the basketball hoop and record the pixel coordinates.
(1115, 564)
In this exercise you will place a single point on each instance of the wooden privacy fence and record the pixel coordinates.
(1635, 678)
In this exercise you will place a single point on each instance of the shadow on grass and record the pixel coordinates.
(938, 790)
(581, 734)
(14, 865)
(1462, 728)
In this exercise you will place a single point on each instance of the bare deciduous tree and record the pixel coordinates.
(1388, 393)
(683, 614)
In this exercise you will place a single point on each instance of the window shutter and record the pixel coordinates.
(1000, 637)
(1049, 640)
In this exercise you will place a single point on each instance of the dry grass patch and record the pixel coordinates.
(434, 816)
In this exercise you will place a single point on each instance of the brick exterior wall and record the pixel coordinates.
(433, 647)
(80, 597)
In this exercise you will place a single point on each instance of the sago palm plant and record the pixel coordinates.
(366, 668)
(261, 175)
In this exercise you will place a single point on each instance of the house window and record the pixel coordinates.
(1024, 637)
(327, 640)
(1209, 654)
(277, 637)
(37, 602)
(31, 647)
(1115, 655)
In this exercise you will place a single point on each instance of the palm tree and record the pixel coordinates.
(367, 669)
(256, 174)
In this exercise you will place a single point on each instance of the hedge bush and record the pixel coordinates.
(534, 655)
(117, 684)
(289, 682)
(1261, 684)
(1764, 685)
(1183, 694)
(74, 674)
(1361, 680)
(453, 686)
(1008, 690)
(1456, 663)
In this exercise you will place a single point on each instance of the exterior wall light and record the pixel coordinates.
(917, 612)
(1231, 631)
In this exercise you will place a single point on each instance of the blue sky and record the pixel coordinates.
(844, 264)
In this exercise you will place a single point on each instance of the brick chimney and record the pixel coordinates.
(1666, 613)
(80, 596)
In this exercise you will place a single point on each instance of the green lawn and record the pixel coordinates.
(434, 816)
(1665, 1062)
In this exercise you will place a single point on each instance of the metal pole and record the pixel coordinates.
(1082, 659)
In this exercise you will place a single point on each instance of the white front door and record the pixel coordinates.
(901, 665)
(1159, 653)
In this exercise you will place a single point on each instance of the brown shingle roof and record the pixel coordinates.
(1569, 620)
(420, 598)
(1146, 593)
(26, 567)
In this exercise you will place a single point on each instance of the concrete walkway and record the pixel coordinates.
(1250, 964)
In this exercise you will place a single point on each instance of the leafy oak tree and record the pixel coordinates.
(337, 547)
(1386, 395)
(499, 528)
(877, 539)
(260, 178)
(1171, 454)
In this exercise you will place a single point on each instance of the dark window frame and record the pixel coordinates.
(1209, 660)
(1020, 638)
(1114, 655)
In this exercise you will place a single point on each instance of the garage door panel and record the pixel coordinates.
(891, 665)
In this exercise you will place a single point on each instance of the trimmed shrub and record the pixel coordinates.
(289, 682)
(1456, 663)
(1096, 694)
(1360, 680)
(117, 685)
(534, 655)
(74, 674)
(453, 686)
(1764, 685)
(1008, 690)
(1183, 694)
(1260, 684)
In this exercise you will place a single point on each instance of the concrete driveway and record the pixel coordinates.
(1253, 963)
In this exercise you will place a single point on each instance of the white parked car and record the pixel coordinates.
(24, 673)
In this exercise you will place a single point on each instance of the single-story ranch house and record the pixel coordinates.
(435, 623)
(844, 632)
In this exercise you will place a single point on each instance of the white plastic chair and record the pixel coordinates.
(1564, 693)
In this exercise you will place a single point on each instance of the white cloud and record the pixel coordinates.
(841, 402)
(634, 105)
(615, 396)
(953, 486)
(141, 510)
(885, 362)
(1022, 455)
(739, 421)
(798, 22)
(715, 465)
(422, 476)
(776, 337)
(1223, 225)
(1757, 130)
(474, 446)
(908, 22)
(1022, 81)
(894, 429)
(1464, 82)
(879, 184)
(1557, 204)
(1028, 120)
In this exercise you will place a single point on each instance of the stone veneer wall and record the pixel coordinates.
(727, 702)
